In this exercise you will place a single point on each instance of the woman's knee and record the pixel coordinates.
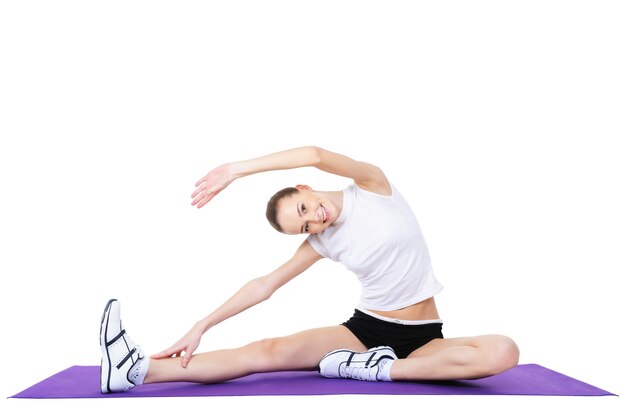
(266, 354)
(502, 354)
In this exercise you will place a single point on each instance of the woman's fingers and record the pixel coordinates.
(198, 190)
(201, 193)
(174, 353)
(166, 353)
(204, 198)
(188, 353)
(185, 360)
(202, 179)
(199, 200)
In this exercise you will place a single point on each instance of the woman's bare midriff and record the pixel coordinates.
(426, 309)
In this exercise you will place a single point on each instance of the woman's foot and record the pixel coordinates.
(123, 364)
(372, 365)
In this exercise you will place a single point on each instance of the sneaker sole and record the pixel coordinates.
(105, 368)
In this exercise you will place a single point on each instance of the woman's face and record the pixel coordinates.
(306, 212)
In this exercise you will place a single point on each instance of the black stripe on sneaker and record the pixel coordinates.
(120, 335)
(350, 359)
(130, 354)
(383, 357)
(367, 363)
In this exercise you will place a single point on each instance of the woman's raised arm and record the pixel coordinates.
(366, 175)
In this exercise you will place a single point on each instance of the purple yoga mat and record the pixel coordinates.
(527, 379)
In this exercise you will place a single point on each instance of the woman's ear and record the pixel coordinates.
(303, 187)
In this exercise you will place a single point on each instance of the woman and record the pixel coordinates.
(395, 333)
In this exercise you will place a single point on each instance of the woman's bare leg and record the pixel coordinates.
(458, 359)
(300, 351)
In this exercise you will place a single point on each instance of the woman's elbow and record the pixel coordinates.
(263, 289)
(314, 154)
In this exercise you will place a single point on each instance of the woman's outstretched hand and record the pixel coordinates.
(187, 345)
(212, 184)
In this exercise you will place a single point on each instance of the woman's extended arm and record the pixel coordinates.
(366, 175)
(252, 293)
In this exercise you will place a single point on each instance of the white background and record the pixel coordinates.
(502, 123)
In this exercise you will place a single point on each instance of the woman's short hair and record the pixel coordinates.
(272, 206)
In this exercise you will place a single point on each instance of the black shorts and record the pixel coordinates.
(403, 338)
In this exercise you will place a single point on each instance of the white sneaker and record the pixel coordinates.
(122, 359)
(371, 365)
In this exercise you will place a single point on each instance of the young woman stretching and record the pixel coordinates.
(395, 332)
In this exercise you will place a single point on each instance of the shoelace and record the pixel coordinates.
(361, 373)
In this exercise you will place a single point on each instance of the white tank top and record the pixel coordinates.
(378, 238)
